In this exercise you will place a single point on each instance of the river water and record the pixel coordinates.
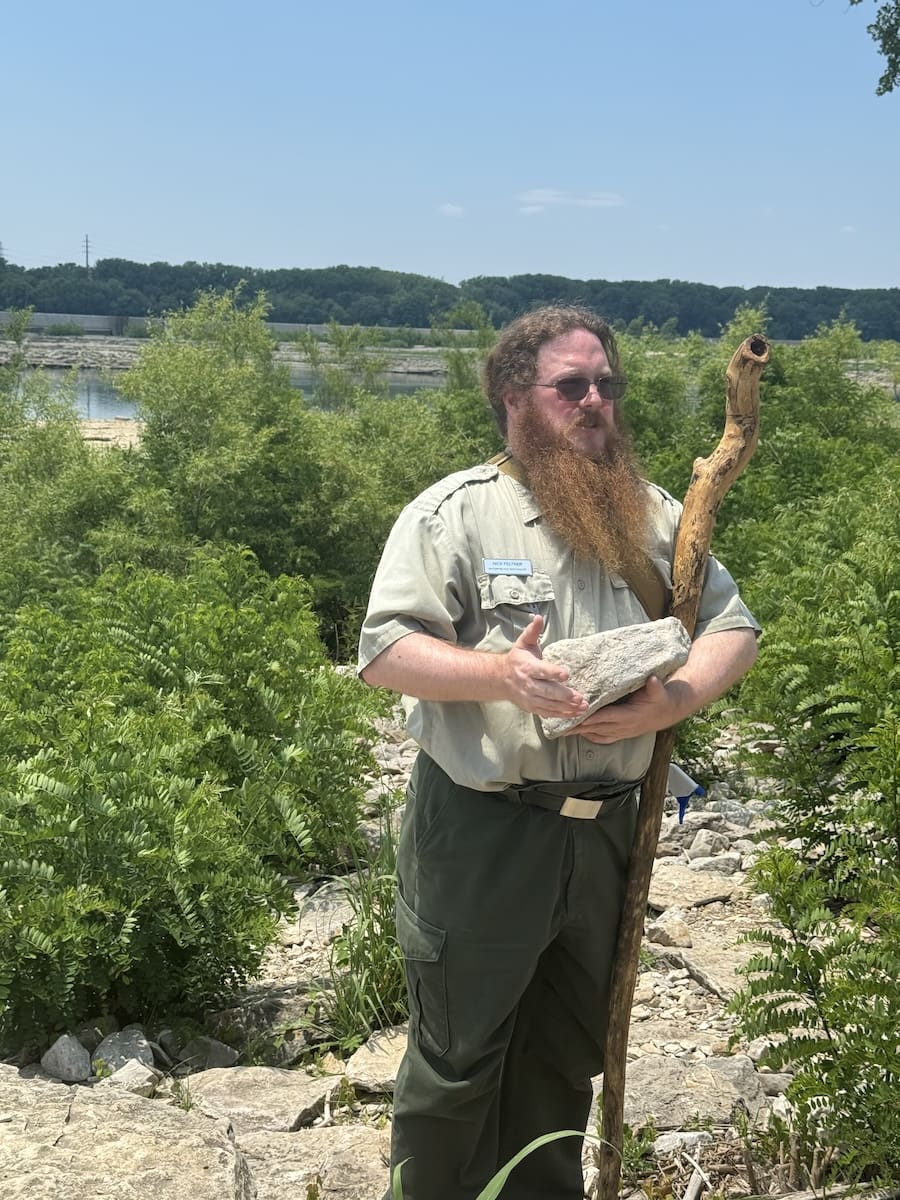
(97, 398)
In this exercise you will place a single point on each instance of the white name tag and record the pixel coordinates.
(507, 566)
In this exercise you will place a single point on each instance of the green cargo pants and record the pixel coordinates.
(507, 916)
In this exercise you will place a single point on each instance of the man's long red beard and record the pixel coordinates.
(598, 505)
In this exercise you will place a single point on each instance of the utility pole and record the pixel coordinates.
(87, 244)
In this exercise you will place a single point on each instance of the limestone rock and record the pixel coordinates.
(260, 1099)
(673, 1093)
(67, 1143)
(606, 666)
(373, 1068)
(718, 864)
(134, 1077)
(67, 1060)
(347, 1162)
(707, 843)
(119, 1048)
(670, 929)
(92, 1032)
(325, 913)
(674, 884)
(671, 1143)
(206, 1053)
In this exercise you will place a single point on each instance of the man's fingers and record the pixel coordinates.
(529, 638)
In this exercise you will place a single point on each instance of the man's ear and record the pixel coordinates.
(512, 400)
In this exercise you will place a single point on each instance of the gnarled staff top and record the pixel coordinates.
(713, 476)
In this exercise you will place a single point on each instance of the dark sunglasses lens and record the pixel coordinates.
(573, 389)
(612, 389)
(577, 387)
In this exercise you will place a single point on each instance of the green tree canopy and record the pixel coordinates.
(885, 31)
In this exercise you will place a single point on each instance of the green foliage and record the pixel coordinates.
(171, 749)
(344, 361)
(55, 490)
(368, 985)
(824, 989)
(824, 984)
(405, 304)
(885, 32)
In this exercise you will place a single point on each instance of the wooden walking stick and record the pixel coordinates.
(711, 479)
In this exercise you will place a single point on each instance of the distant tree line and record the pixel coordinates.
(372, 296)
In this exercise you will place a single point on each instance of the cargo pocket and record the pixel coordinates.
(422, 945)
(509, 602)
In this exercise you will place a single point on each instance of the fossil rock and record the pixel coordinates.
(606, 666)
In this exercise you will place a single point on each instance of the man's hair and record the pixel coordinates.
(512, 363)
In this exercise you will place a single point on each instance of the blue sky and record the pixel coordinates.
(718, 141)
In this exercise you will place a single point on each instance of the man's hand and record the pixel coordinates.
(647, 710)
(538, 686)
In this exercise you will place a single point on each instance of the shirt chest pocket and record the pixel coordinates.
(509, 602)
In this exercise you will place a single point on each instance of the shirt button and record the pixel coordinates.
(590, 754)
(581, 585)
(514, 594)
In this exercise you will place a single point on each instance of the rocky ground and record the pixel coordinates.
(146, 1113)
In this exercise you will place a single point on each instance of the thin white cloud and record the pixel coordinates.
(848, 229)
(539, 198)
(451, 210)
(531, 210)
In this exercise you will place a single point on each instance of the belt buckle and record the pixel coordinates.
(583, 810)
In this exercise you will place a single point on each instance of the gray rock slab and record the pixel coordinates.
(206, 1053)
(67, 1060)
(674, 1094)
(373, 1068)
(325, 913)
(718, 864)
(669, 929)
(260, 1099)
(91, 1033)
(70, 1143)
(348, 1162)
(606, 666)
(134, 1077)
(676, 885)
(259, 1011)
(671, 1143)
(707, 843)
(119, 1048)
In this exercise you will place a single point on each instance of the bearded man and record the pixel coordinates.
(508, 898)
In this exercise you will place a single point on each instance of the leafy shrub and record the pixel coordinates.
(825, 990)
(172, 749)
(828, 680)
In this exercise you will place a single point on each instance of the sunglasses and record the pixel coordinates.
(575, 387)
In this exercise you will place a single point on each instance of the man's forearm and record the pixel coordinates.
(716, 662)
(431, 669)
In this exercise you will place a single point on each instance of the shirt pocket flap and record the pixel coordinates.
(514, 589)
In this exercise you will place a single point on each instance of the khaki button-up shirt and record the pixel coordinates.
(471, 561)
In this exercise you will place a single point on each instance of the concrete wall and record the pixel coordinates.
(117, 325)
